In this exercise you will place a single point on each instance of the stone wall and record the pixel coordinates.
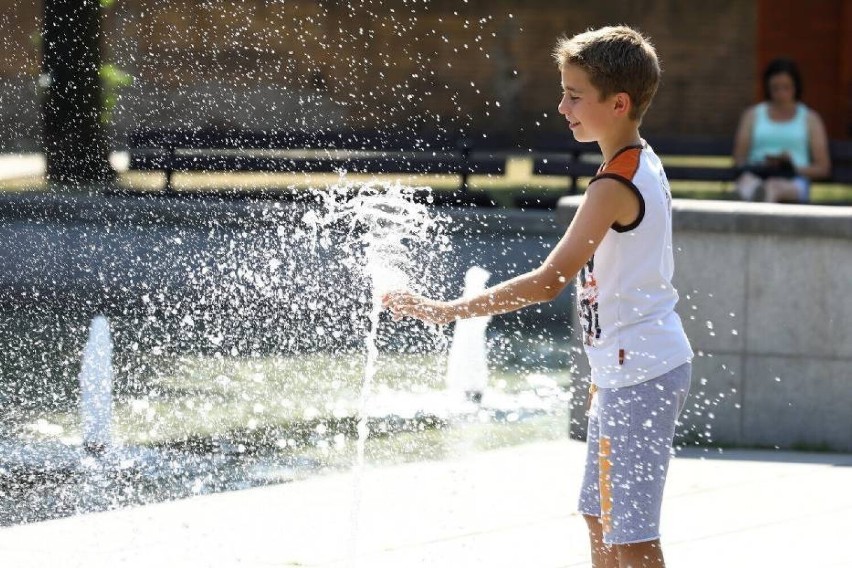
(766, 305)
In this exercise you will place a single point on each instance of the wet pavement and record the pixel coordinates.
(502, 508)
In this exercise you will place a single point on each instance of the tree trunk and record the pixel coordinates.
(74, 142)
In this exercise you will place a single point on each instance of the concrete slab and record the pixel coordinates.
(504, 508)
(16, 166)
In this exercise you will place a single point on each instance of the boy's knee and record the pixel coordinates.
(640, 554)
(595, 528)
(639, 546)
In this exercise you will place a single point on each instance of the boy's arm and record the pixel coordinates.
(606, 201)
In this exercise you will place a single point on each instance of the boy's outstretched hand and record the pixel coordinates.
(415, 306)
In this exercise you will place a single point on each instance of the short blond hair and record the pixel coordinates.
(617, 59)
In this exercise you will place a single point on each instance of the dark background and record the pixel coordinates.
(411, 66)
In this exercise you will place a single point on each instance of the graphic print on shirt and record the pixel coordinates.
(587, 303)
(664, 183)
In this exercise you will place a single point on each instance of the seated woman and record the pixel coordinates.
(781, 144)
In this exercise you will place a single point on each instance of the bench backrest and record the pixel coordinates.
(572, 165)
(841, 161)
(366, 140)
(367, 151)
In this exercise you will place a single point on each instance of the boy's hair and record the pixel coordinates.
(617, 59)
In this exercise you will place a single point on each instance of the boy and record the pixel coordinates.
(619, 246)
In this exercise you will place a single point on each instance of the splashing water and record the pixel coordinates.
(467, 362)
(385, 227)
(247, 363)
(96, 376)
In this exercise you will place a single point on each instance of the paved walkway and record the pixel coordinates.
(13, 166)
(21, 166)
(505, 508)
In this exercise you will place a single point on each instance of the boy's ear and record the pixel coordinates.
(622, 104)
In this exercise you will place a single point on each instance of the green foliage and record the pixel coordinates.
(113, 79)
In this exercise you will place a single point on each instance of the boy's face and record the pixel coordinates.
(588, 116)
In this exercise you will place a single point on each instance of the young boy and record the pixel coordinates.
(619, 247)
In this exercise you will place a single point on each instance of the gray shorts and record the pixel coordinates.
(629, 445)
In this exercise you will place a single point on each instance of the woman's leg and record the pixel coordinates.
(749, 187)
(783, 190)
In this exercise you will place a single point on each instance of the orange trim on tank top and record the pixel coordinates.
(625, 164)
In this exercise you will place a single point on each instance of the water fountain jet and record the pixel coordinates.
(467, 362)
(96, 453)
(96, 378)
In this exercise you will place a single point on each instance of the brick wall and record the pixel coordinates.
(820, 41)
(480, 65)
(19, 23)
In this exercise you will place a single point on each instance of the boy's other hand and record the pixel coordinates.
(402, 303)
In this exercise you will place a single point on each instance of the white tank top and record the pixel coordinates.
(625, 298)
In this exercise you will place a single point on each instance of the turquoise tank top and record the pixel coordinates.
(771, 138)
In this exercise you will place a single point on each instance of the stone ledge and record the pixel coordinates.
(745, 217)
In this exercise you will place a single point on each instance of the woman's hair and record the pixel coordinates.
(777, 67)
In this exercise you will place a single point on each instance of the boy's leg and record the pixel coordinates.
(647, 554)
(603, 555)
(636, 429)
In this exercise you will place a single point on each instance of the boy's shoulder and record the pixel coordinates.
(625, 163)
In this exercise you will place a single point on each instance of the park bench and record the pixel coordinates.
(575, 160)
(353, 151)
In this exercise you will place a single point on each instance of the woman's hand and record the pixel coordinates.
(416, 306)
